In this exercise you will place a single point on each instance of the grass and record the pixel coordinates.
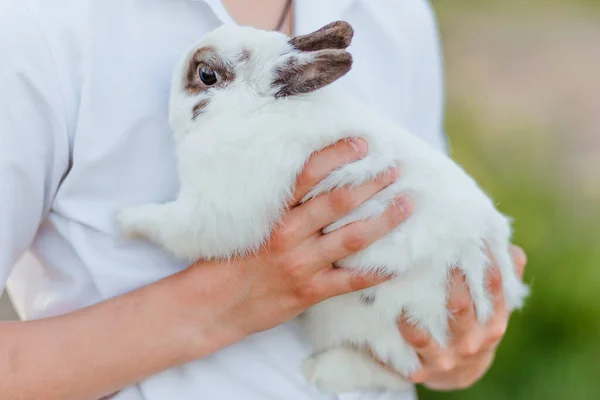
(552, 348)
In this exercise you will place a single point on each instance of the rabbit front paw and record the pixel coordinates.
(139, 221)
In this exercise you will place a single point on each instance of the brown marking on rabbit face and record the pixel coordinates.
(208, 58)
(244, 56)
(336, 35)
(296, 76)
(199, 108)
(285, 74)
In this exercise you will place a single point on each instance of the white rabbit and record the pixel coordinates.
(248, 108)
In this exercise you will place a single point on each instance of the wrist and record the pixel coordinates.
(205, 296)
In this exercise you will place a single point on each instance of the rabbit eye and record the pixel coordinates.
(207, 76)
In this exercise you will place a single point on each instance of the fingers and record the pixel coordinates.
(353, 238)
(466, 335)
(343, 280)
(460, 378)
(438, 363)
(498, 324)
(327, 208)
(494, 277)
(461, 308)
(359, 235)
(387, 365)
(419, 339)
(473, 345)
(322, 163)
(434, 358)
(520, 259)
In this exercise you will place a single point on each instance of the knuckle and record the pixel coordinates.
(494, 277)
(468, 349)
(460, 305)
(354, 243)
(293, 269)
(290, 232)
(281, 240)
(465, 314)
(286, 232)
(446, 364)
(308, 293)
(418, 339)
(358, 282)
(310, 174)
(341, 201)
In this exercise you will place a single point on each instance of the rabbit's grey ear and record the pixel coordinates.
(306, 72)
(336, 35)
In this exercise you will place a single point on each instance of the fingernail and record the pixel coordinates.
(404, 204)
(359, 145)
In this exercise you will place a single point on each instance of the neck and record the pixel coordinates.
(263, 14)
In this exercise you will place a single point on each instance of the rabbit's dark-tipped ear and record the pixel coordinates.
(336, 35)
(307, 72)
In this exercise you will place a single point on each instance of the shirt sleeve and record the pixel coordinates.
(34, 146)
(428, 97)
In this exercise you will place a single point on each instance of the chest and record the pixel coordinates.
(122, 148)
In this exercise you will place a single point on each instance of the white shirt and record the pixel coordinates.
(83, 132)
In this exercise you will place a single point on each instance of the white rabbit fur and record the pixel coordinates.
(238, 162)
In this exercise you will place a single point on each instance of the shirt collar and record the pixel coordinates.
(306, 21)
(219, 9)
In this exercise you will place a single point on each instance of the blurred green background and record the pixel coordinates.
(523, 81)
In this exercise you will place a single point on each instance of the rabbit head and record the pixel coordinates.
(236, 69)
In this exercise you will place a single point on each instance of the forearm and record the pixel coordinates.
(96, 351)
(90, 353)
